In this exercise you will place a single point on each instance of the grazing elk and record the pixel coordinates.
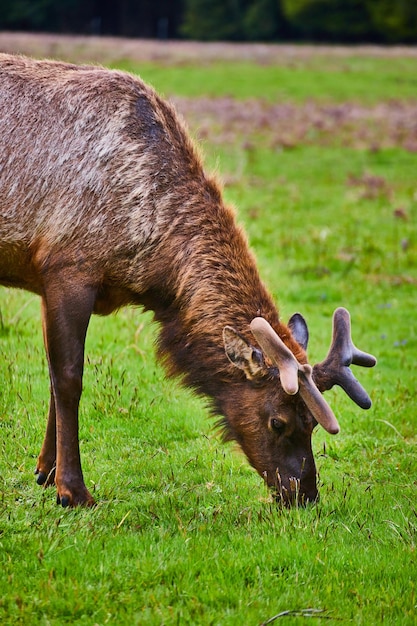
(103, 203)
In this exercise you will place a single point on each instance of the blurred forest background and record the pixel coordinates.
(329, 21)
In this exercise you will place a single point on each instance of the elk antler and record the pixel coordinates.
(277, 351)
(334, 370)
(294, 376)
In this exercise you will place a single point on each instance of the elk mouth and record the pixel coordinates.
(294, 494)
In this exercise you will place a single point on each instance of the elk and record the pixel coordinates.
(104, 202)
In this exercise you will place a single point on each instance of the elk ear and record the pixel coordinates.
(299, 329)
(242, 354)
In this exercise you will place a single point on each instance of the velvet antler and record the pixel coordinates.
(334, 370)
(293, 375)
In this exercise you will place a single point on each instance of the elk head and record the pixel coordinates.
(282, 403)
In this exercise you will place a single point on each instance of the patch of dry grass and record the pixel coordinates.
(107, 50)
(287, 125)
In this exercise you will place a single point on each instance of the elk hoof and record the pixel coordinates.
(45, 478)
(41, 477)
(64, 501)
(79, 497)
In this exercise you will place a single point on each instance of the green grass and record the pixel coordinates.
(184, 532)
(368, 80)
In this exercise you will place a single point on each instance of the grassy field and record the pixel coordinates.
(318, 150)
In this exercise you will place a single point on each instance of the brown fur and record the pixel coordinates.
(103, 203)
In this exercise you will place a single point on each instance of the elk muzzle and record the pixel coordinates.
(297, 485)
(294, 492)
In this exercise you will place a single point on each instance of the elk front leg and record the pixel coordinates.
(45, 468)
(68, 306)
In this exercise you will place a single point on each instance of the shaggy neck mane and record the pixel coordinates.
(214, 283)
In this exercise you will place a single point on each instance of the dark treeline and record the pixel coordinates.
(337, 21)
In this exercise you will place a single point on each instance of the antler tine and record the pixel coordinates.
(293, 375)
(278, 352)
(334, 370)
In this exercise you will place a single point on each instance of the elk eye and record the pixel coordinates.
(277, 426)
